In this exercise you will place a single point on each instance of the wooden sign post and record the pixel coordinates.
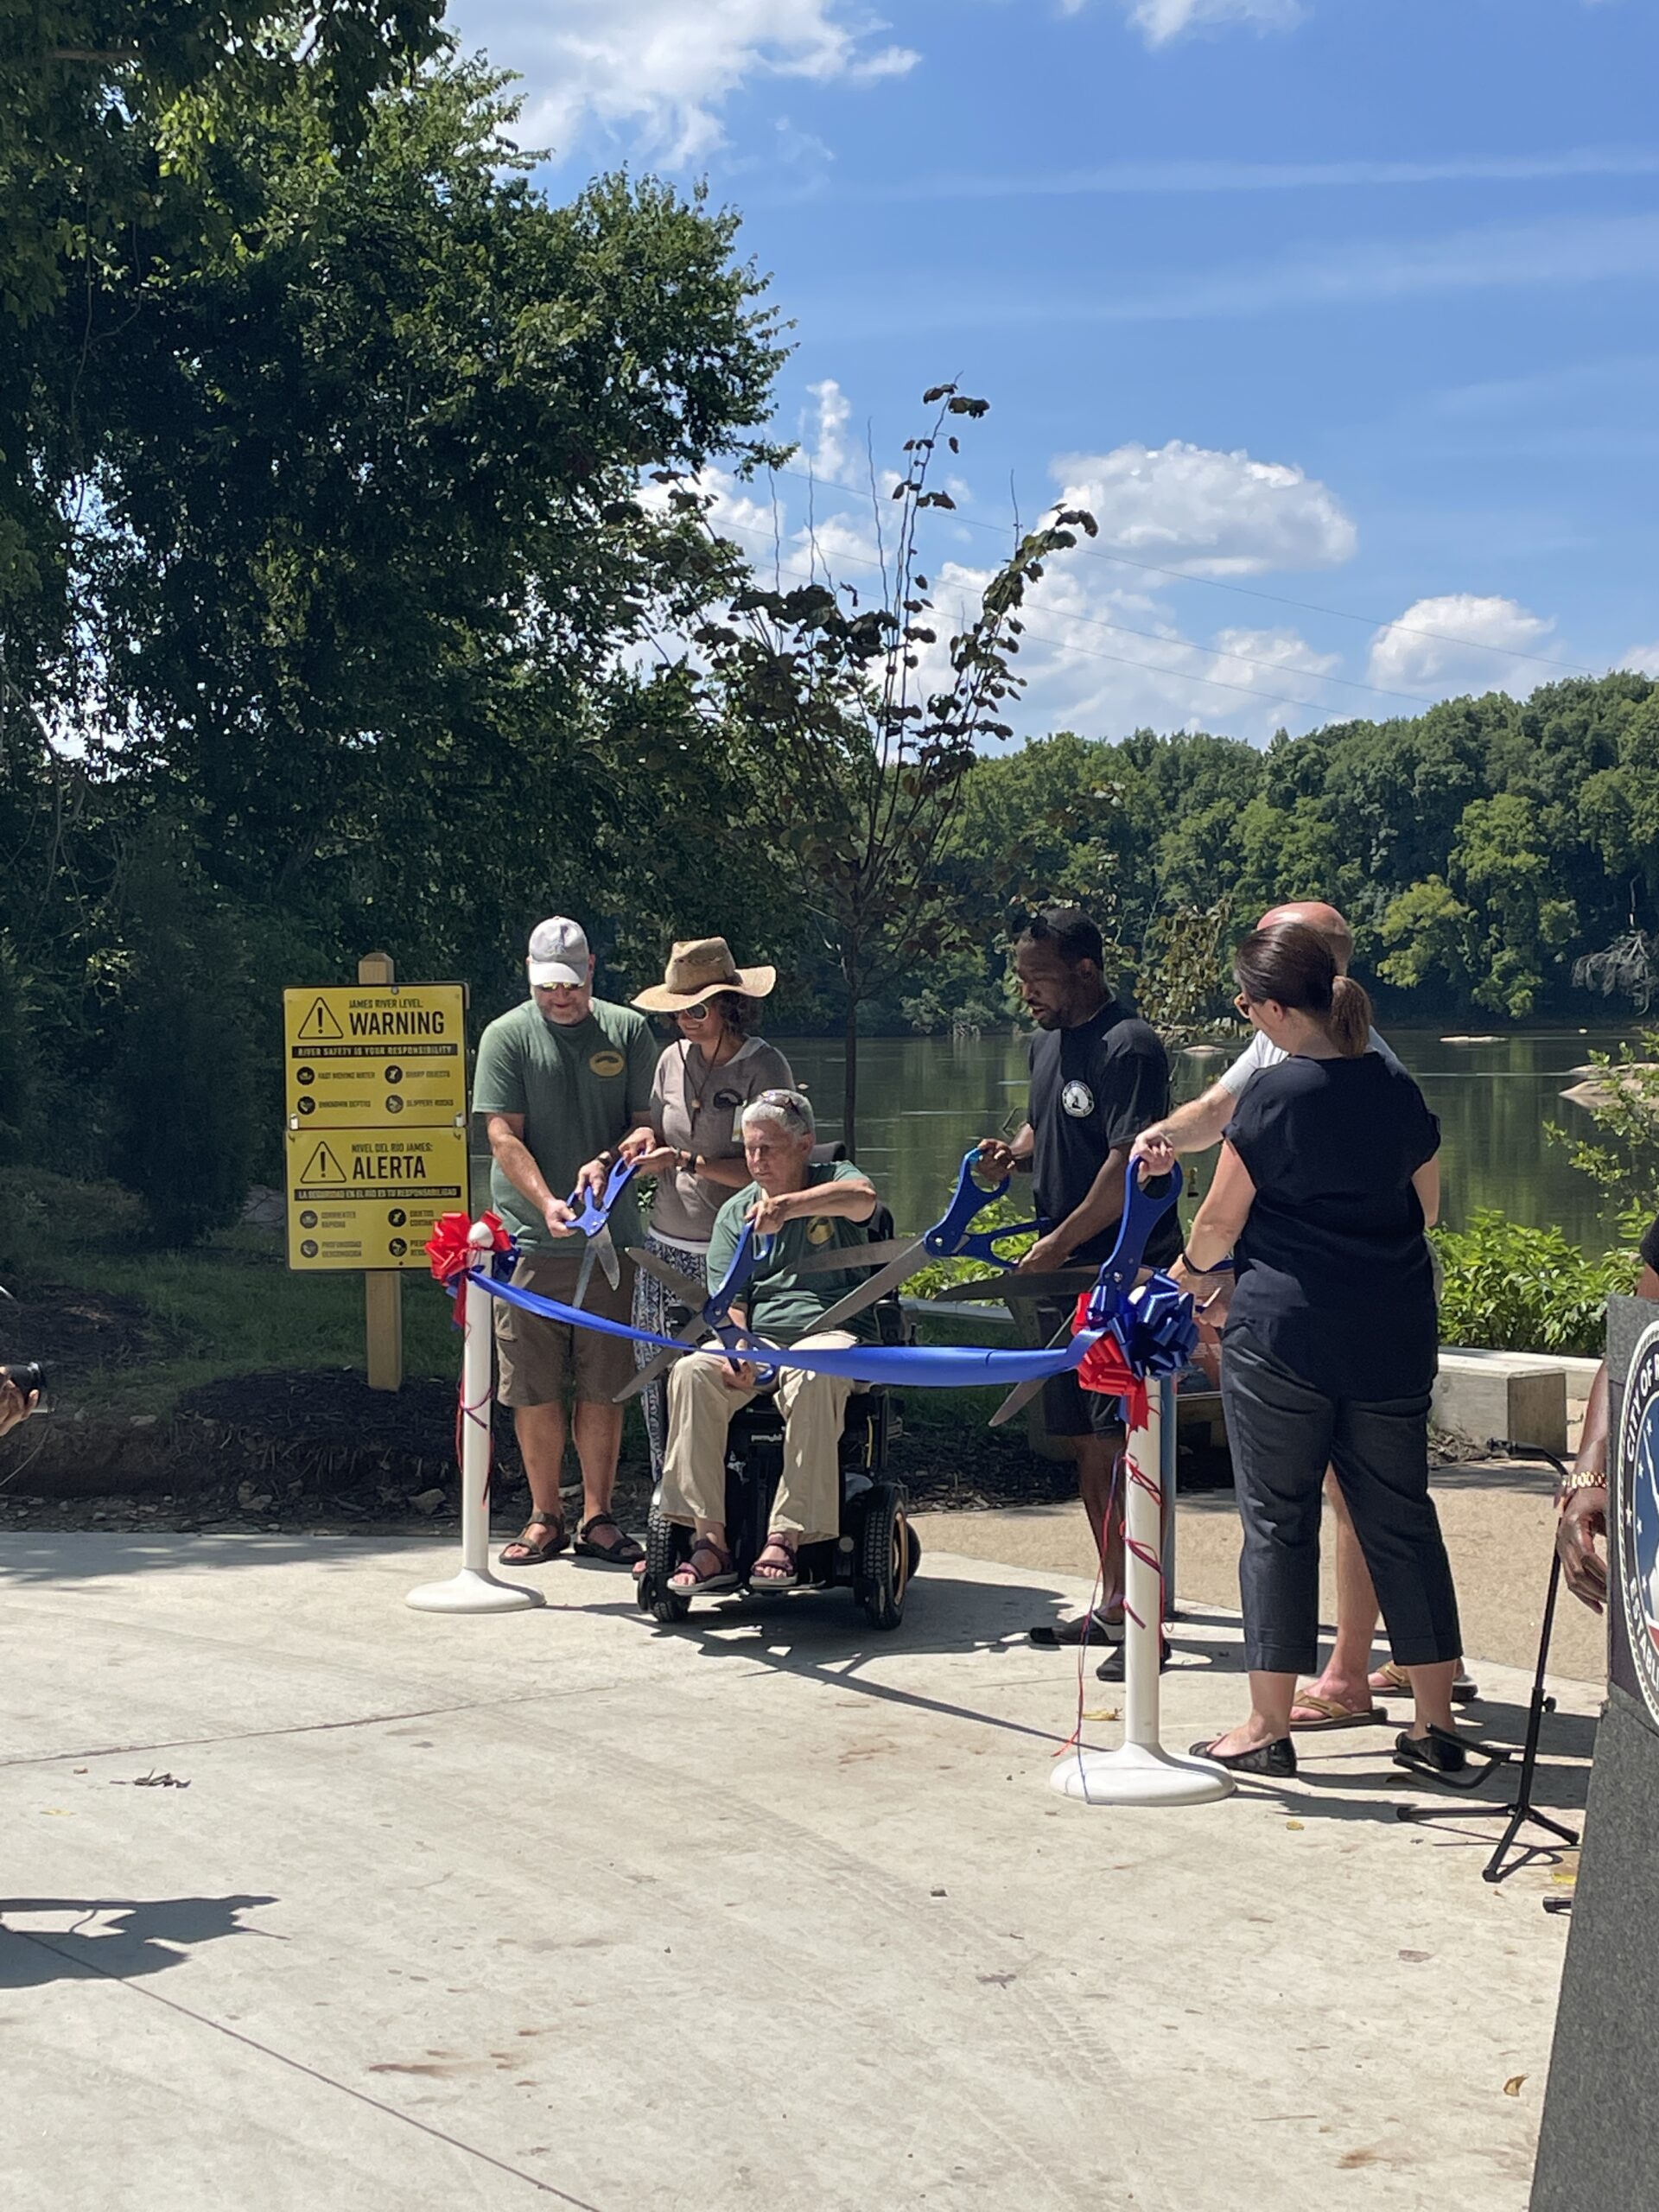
(383, 1288)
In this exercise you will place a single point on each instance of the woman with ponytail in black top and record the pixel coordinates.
(1326, 1180)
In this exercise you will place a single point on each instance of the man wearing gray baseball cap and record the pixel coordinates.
(560, 1081)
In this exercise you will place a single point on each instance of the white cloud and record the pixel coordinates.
(1163, 20)
(1105, 659)
(1207, 513)
(1458, 642)
(658, 72)
(1644, 659)
(835, 411)
(1198, 175)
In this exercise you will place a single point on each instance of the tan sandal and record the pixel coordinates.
(521, 1552)
(1328, 1713)
(1394, 1681)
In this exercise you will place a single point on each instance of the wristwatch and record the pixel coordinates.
(1582, 1478)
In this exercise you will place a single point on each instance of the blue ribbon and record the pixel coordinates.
(926, 1367)
(1153, 1324)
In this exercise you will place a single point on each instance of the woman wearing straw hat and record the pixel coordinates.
(703, 1081)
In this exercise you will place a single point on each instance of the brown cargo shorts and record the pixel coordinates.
(540, 1362)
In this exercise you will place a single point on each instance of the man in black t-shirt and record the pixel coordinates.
(1099, 1075)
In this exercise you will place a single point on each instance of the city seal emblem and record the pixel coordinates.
(1078, 1100)
(1637, 1534)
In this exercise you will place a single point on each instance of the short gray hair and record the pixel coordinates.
(788, 1110)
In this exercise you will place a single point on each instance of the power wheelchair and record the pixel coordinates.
(876, 1552)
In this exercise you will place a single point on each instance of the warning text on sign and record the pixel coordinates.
(354, 1056)
(370, 1201)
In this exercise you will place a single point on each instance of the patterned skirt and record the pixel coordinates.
(653, 1309)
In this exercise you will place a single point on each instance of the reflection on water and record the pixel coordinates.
(924, 1100)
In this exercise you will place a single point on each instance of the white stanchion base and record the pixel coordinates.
(469, 1591)
(1138, 1774)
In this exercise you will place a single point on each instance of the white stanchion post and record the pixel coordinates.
(475, 1589)
(1141, 1772)
(1171, 1479)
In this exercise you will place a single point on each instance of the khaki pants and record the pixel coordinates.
(700, 1410)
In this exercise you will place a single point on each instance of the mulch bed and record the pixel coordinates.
(319, 1450)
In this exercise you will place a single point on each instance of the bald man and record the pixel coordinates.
(1345, 1696)
(1198, 1124)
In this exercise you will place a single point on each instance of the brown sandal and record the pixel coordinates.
(521, 1552)
(782, 1549)
(688, 1579)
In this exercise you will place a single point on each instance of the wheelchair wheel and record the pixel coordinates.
(662, 1557)
(885, 1556)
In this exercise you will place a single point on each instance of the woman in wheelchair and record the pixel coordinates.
(803, 1209)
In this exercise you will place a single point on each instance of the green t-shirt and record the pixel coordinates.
(579, 1090)
(782, 1305)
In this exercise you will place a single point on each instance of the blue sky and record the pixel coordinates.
(1346, 304)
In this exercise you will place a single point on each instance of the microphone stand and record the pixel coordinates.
(1521, 1810)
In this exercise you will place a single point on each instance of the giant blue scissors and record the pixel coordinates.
(593, 1218)
(897, 1258)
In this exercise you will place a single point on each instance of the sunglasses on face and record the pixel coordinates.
(693, 1013)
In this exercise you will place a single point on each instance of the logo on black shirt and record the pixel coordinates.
(1078, 1100)
(606, 1062)
(821, 1232)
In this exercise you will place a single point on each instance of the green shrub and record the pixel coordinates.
(1015, 1207)
(44, 1214)
(1511, 1288)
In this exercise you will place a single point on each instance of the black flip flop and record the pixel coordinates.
(623, 1553)
(535, 1554)
(1065, 1635)
(1277, 1758)
(1443, 1757)
(1112, 1668)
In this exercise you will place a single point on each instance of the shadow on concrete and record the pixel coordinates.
(822, 1636)
(64, 1557)
(137, 1937)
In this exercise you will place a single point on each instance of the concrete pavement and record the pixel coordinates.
(768, 1910)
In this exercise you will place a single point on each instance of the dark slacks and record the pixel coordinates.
(1283, 1432)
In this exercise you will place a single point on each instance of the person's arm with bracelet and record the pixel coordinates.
(1193, 1127)
(651, 1157)
(1581, 1529)
(1207, 1256)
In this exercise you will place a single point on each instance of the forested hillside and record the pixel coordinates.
(1480, 849)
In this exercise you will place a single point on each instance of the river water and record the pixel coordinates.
(924, 1100)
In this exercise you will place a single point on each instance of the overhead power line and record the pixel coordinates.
(1153, 637)
(1119, 660)
(1251, 591)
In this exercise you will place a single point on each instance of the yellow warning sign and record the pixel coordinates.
(357, 1056)
(370, 1201)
